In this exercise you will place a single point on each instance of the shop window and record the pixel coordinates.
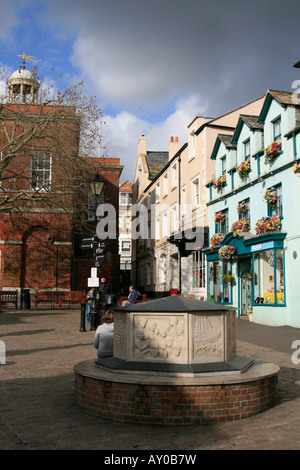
(220, 281)
(215, 281)
(269, 277)
(228, 281)
(198, 269)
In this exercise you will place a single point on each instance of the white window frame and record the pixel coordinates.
(165, 224)
(174, 218)
(157, 192)
(165, 184)
(174, 178)
(196, 193)
(42, 183)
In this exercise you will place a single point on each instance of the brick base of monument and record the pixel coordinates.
(123, 400)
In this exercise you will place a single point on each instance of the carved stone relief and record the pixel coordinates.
(208, 338)
(159, 338)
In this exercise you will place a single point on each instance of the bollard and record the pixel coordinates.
(82, 318)
(94, 317)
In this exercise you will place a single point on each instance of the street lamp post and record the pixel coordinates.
(96, 187)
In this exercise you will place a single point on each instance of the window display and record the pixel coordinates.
(269, 277)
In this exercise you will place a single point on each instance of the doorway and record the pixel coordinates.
(245, 275)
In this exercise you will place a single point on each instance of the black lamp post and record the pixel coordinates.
(96, 188)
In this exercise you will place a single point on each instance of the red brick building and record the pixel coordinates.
(44, 188)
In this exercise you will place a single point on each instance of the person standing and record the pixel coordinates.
(104, 287)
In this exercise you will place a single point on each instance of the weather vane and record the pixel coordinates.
(25, 57)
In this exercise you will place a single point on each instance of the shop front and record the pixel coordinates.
(248, 272)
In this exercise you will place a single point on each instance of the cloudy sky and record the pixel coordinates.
(156, 64)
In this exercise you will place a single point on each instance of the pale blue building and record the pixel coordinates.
(254, 219)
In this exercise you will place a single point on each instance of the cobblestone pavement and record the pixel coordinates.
(37, 410)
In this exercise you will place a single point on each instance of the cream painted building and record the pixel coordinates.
(170, 217)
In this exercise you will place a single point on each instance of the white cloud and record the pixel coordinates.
(8, 19)
(121, 133)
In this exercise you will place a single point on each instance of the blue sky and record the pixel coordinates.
(156, 64)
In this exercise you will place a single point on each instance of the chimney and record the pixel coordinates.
(174, 146)
(142, 146)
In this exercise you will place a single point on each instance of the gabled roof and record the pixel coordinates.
(156, 161)
(284, 98)
(250, 121)
(226, 139)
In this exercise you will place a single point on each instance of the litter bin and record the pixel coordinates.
(106, 302)
(25, 299)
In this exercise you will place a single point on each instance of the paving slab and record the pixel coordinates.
(37, 409)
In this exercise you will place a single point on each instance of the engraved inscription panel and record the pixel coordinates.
(120, 335)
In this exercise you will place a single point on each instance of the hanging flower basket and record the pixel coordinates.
(229, 278)
(241, 225)
(267, 225)
(227, 253)
(220, 217)
(272, 151)
(296, 168)
(219, 183)
(242, 207)
(244, 170)
(271, 197)
(216, 239)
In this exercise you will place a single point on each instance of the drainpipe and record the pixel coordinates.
(180, 228)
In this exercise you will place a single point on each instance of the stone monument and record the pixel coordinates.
(175, 362)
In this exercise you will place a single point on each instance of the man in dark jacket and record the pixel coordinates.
(103, 286)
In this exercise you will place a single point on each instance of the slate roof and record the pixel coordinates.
(227, 140)
(156, 161)
(252, 121)
(173, 304)
(283, 97)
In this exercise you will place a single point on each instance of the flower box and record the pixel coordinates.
(227, 253)
(272, 151)
(241, 225)
(216, 239)
(219, 183)
(242, 207)
(244, 170)
(271, 197)
(267, 225)
(220, 217)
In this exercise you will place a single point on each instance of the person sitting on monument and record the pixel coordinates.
(104, 336)
(133, 295)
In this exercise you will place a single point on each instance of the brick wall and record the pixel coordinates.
(174, 405)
